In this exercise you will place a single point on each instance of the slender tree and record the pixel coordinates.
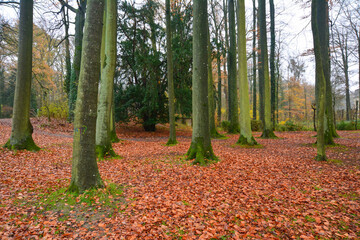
(264, 66)
(233, 99)
(254, 50)
(85, 173)
(211, 98)
(21, 131)
(323, 22)
(272, 61)
(317, 11)
(170, 76)
(75, 72)
(108, 64)
(200, 148)
(246, 137)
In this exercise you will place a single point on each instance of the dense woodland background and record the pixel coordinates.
(141, 59)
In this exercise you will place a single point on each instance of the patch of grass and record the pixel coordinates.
(335, 161)
(185, 203)
(338, 148)
(351, 196)
(309, 218)
(317, 187)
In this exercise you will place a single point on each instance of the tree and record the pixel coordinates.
(108, 64)
(254, 50)
(272, 61)
(170, 76)
(318, 10)
(75, 72)
(264, 68)
(200, 148)
(246, 137)
(211, 98)
(233, 99)
(21, 132)
(85, 173)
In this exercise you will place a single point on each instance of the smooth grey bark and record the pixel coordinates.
(233, 96)
(170, 76)
(21, 131)
(85, 173)
(108, 64)
(200, 148)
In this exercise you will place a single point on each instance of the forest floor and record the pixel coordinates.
(276, 191)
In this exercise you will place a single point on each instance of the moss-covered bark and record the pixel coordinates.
(200, 147)
(320, 76)
(170, 76)
(246, 137)
(85, 173)
(108, 64)
(21, 131)
(268, 127)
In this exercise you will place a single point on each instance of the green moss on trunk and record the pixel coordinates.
(201, 153)
(26, 143)
(105, 151)
(244, 141)
(268, 133)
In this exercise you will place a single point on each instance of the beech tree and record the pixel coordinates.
(108, 64)
(170, 76)
(264, 68)
(254, 50)
(75, 72)
(246, 137)
(200, 148)
(21, 131)
(85, 173)
(233, 99)
(318, 10)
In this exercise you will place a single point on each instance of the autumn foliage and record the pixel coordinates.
(277, 191)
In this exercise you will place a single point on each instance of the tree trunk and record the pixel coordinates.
(85, 174)
(316, 12)
(254, 60)
(323, 24)
(233, 99)
(66, 22)
(211, 98)
(246, 137)
(21, 132)
(108, 64)
(200, 147)
(261, 76)
(268, 127)
(170, 76)
(226, 55)
(272, 61)
(74, 80)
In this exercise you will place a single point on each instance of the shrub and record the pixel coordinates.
(347, 125)
(256, 125)
(56, 110)
(225, 125)
(289, 126)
